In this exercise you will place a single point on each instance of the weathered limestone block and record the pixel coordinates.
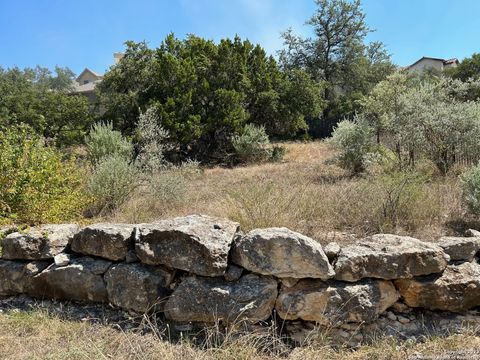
(208, 300)
(332, 250)
(334, 302)
(15, 276)
(138, 287)
(109, 241)
(81, 280)
(389, 257)
(283, 253)
(472, 233)
(38, 243)
(199, 244)
(457, 289)
(460, 248)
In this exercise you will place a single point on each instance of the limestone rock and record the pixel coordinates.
(81, 280)
(109, 241)
(61, 259)
(460, 248)
(138, 287)
(15, 276)
(199, 244)
(389, 257)
(38, 243)
(334, 302)
(457, 289)
(472, 233)
(207, 300)
(332, 250)
(283, 253)
(233, 273)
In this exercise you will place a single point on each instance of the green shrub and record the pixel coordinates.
(252, 144)
(471, 189)
(111, 182)
(36, 184)
(354, 141)
(104, 141)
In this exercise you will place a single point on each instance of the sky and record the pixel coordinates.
(86, 33)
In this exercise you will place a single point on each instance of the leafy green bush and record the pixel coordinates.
(252, 144)
(354, 140)
(36, 185)
(471, 189)
(104, 141)
(112, 181)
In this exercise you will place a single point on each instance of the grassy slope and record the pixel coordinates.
(36, 335)
(307, 194)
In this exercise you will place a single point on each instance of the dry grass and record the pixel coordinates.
(308, 194)
(37, 335)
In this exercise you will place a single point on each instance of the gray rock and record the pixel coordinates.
(208, 300)
(332, 250)
(138, 287)
(38, 243)
(460, 248)
(283, 253)
(332, 303)
(289, 282)
(131, 257)
(456, 289)
(61, 259)
(109, 241)
(233, 273)
(389, 257)
(472, 233)
(81, 280)
(16, 276)
(199, 244)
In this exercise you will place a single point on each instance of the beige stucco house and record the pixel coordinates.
(426, 63)
(88, 80)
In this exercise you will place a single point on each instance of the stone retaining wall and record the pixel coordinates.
(200, 269)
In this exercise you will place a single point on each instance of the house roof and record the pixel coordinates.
(91, 72)
(84, 88)
(445, 62)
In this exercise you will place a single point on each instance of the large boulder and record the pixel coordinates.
(16, 276)
(81, 280)
(456, 289)
(283, 253)
(109, 241)
(208, 300)
(460, 248)
(199, 244)
(334, 302)
(389, 257)
(38, 243)
(138, 287)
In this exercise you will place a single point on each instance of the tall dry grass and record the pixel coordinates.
(309, 194)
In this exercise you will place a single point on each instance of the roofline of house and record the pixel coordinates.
(455, 60)
(90, 71)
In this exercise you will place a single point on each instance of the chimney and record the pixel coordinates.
(117, 56)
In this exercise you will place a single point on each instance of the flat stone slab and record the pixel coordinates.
(282, 253)
(80, 280)
(109, 241)
(389, 257)
(456, 289)
(333, 303)
(208, 300)
(138, 287)
(460, 248)
(198, 244)
(15, 276)
(38, 243)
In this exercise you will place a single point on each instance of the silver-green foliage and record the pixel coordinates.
(112, 181)
(252, 144)
(103, 141)
(471, 189)
(354, 140)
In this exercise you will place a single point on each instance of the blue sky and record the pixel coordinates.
(84, 33)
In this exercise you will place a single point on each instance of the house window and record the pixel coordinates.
(85, 82)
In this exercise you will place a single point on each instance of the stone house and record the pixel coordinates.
(432, 63)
